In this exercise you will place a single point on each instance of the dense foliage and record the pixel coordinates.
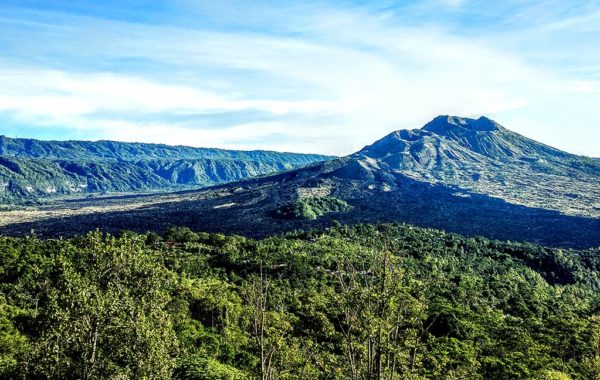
(311, 208)
(363, 302)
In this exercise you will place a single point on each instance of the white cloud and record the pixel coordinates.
(336, 81)
(583, 86)
(52, 93)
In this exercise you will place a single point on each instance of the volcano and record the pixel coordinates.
(469, 176)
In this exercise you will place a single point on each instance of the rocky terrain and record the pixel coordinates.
(486, 158)
(468, 176)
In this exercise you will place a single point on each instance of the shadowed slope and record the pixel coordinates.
(468, 176)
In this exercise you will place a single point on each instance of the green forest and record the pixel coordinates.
(387, 301)
(35, 171)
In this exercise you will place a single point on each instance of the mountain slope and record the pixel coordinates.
(484, 157)
(36, 169)
(468, 176)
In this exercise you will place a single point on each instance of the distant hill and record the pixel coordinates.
(33, 169)
(470, 176)
(124, 151)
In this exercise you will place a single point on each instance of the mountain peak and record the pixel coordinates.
(472, 134)
(453, 136)
(445, 123)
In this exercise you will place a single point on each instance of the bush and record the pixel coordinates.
(312, 208)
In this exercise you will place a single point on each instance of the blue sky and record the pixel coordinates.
(310, 76)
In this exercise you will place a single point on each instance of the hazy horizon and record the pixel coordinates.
(201, 146)
(315, 77)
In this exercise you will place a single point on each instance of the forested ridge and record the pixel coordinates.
(33, 170)
(128, 151)
(349, 302)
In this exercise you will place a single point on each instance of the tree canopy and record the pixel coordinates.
(350, 302)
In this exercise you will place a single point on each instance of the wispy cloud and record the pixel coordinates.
(55, 94)
(328, 78)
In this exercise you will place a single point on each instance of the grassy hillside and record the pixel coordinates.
(363, 302)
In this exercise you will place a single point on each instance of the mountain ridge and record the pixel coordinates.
(33, 169)
(103, 149)
(500, 185)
